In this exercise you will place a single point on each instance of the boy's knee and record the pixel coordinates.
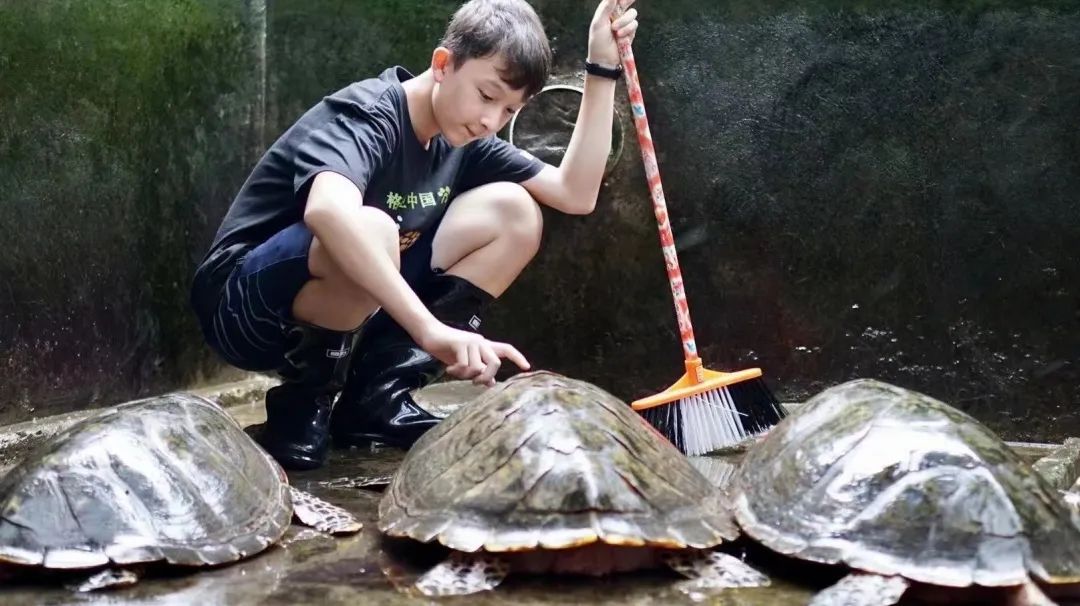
(518, 213)
(382, 228)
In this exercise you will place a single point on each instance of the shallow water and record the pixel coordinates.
(312, 568)
(309, 567)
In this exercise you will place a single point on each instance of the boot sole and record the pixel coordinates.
(366, 440)
(288, 459)
(298, 463)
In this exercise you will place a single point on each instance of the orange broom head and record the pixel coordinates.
(696, 381)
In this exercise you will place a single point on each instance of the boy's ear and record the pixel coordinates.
(441, 62)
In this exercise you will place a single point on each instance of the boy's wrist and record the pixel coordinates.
(601, 70)
(604, 62)
(418, 323)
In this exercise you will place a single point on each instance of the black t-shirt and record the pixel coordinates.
(364, 133)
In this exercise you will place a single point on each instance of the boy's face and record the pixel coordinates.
(471, 101)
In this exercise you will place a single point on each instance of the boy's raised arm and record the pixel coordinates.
(573, 186)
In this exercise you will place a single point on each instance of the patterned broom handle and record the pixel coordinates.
(652, 174)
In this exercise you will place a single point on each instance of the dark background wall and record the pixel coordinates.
(879, 189)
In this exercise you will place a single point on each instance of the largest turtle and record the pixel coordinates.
(170, 479)
(549, 474)
(908, 493)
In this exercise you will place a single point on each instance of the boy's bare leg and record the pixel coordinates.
(486, 239)
(328, 309)
(488, 236)
(330, 299)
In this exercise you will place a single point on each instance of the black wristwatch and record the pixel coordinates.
(604, 72)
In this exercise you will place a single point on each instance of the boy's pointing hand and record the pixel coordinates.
(468, 355)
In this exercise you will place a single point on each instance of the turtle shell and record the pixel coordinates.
(894, 482)
(172, 478)
(547, 462)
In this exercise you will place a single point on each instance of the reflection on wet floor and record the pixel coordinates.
(312, 568)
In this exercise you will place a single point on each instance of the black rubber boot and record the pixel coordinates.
(376, 404)
(296, 431)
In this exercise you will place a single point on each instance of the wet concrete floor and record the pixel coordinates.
(310, 568)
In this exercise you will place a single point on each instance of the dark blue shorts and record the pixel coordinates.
(254, 309)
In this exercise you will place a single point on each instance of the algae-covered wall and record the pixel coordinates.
(124, 128)
(858, 188)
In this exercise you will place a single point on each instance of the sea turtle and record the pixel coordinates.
(169, 479)
(544, 473)
(907, 492)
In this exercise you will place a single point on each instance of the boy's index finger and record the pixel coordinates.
(505, 350)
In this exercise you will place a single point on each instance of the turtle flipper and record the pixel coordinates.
(381, 480)
(1071, 497)
(859, 589)
(1030, 594)
(462, 574)
(709, 569)
(109, 578)
(317, 513)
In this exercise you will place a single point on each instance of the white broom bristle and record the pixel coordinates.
(717, 418)
(710, 421)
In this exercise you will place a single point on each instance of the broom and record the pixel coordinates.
(705, 409)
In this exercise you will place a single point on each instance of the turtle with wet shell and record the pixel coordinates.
(172, 479)
(912, 496)
(547, 474)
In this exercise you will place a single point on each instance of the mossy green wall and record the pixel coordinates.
(124, 129)
(858, 188)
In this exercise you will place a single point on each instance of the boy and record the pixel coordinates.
(394, 196)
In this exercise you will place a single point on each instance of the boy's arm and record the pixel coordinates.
(573, 186)
(328, 214)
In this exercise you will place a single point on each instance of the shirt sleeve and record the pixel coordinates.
(493, 159)
(356, 144)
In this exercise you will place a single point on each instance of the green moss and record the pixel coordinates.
(739, 10)
(318, 46)
(121, 124)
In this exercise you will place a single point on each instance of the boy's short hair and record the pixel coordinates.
(481, 28)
